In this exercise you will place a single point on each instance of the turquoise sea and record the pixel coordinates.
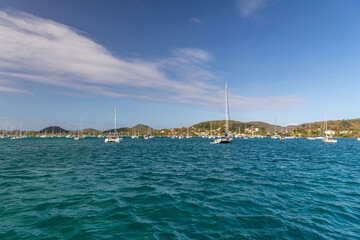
(165, 188)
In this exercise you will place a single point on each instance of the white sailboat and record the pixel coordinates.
(321, 137)
(328, 139)
(114, 138)
(228, 137)
(310, 137)
(149, 135)
(188, 133)
(20, 136)
(135, 135)
(181, 136)
(211, 131)
(80, 135)
(275, 136)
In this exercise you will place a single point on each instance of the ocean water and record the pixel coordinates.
(166, 188)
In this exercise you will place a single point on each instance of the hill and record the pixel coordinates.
(53, 129)
(139, 128)
(234, 126)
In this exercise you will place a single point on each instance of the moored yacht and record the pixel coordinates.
(114, 138)
(228, 136)
(328, 139)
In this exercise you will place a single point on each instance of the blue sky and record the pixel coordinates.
(164, 63)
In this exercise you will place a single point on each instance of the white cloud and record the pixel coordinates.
(42, 51)
(11, 90)
(195, 20)
(248, 8)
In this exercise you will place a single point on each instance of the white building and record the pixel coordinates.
(330, 132)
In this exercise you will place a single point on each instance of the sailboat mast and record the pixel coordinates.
(6, 127)
(275, 125)
(325, 124)
(227, 107)
(80, 125)
(115, 119)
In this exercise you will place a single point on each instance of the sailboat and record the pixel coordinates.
(275, 136)
(211, 131)
(228, 137)
(181, 136)
(114, 138)
(310, 137)
(79, 136)
(20, 136)
(149, 135)
(320, 137)
(134, 136)
(328, 139)
(188, 133)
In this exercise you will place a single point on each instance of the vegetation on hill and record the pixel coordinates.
(342, 128)
(53, 129)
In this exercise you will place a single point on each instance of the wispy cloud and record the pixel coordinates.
(248, 8)
(42, 51)
(195, 20)
(11, 90)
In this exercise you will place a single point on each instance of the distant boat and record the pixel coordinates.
(149, 135)
(114, 138)
(188, 134)
(135, 135)
(80, 135)
(20, 136)
(310, 137)
(328, 139)
(211, 131)
(228, 137)
(275, 136)
(290, 137)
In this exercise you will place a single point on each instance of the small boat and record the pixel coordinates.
(114, 139)
(276, 136)
(80, 135)
(148, 136)
(310, 138)
(319, 138)
(329, 140)
(222, 140)
(290, 137)
(228, 137)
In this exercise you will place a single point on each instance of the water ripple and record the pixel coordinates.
(179, 189)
